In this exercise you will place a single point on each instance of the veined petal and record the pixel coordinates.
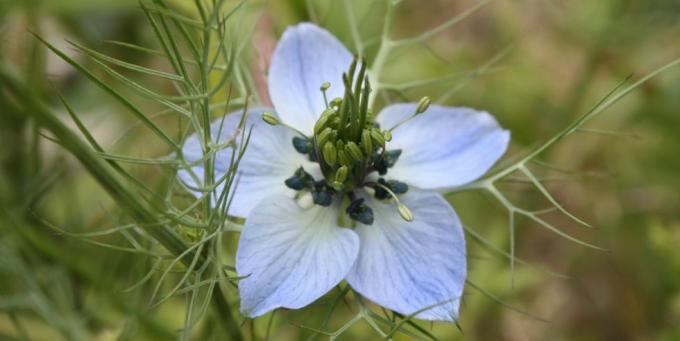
(268, 161)
(305, 58)
(410, 266)
(443, 147)
(290, 255)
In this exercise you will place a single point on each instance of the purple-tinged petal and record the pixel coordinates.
(290, 255)
(305, 58)
(411, 266)
(444, 147)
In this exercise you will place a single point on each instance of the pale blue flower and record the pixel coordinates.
(403, 249)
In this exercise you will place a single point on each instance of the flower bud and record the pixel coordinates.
(325, 86)
(330, 153)
(270, 119)
(423, 105)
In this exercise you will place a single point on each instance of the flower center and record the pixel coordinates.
(348, 145)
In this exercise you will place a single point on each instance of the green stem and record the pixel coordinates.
(142, 212)
(384, 51)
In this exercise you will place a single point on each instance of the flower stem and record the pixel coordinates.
(141, 211)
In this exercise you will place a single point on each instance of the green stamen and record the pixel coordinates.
(325, 87)
(330, 153)
(349, 145)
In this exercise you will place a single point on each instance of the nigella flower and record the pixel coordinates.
(330, 191)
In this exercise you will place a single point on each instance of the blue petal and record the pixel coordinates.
(443, 147)
(305, 58)
(268, 161)
(411, 266)
(290, 255)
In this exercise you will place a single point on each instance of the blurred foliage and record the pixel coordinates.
(552, 61)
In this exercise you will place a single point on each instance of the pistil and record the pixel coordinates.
(348, 145)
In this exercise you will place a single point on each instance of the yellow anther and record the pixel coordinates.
(404, 212)
(387, 135)
(270, 119)
(423, 105)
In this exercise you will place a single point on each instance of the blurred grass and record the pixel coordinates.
(563, 57)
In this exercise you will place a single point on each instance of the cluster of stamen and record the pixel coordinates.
(348, 145)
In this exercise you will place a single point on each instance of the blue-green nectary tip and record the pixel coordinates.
(299, 180)
(423, 105)
(322, 193)
(295, 183)
(397, 187)
(360, 212)
(386, 160)
(302, 145)
(322, 198)
(270, 119)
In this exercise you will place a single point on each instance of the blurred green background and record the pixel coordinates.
(556, 60)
